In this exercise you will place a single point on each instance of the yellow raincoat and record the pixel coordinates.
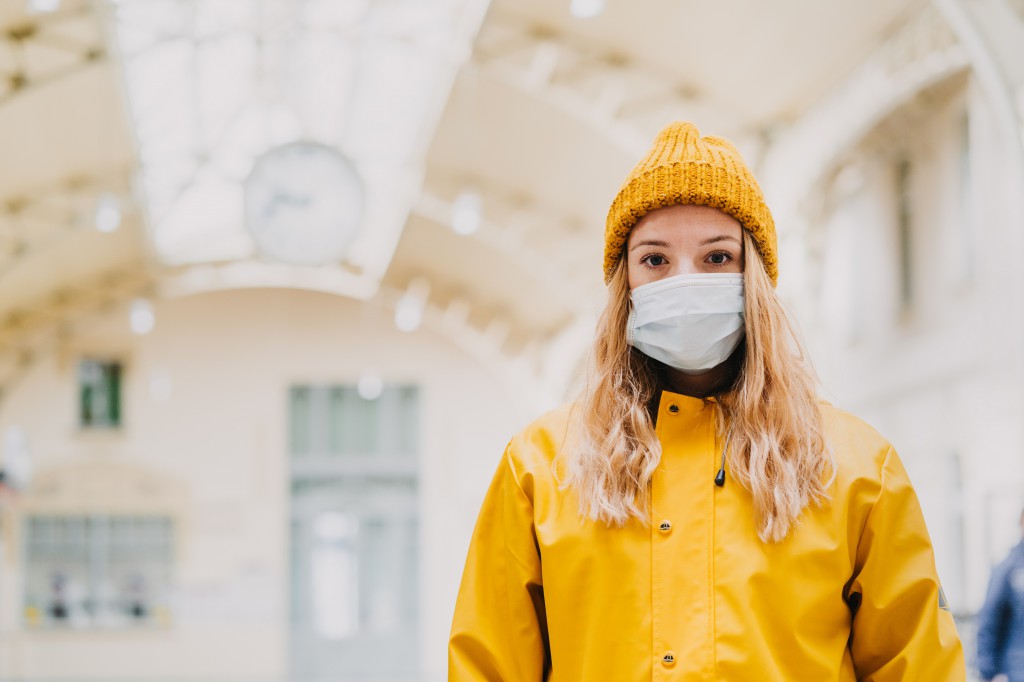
(851, 593)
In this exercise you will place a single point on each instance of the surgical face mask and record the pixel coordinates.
(689, 322)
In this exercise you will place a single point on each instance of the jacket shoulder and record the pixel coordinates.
(860, 450)
(534, 449)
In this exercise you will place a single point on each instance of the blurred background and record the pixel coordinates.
(280, 278)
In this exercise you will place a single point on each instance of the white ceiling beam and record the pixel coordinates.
(509, 242)
(538, 74)
(922, 53)
(488, 345)
(37, 220)
(561, 70)
(35, 332)
(28, 33)
(992, 33)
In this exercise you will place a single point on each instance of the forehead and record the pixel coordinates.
(685, 219)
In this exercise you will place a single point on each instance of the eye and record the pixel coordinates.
(653, 260)
(719, 258)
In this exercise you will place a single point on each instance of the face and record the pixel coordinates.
(683, 240)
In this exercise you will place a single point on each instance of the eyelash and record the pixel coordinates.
(646, 258)
(728, 259)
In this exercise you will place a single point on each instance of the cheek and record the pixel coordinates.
(636, 275)
(631, 277)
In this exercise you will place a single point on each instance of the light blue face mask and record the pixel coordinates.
(690, 322)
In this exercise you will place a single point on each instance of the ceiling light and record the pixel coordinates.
(141, 317)
(370, 385)
(43, 6)
(108, 212)
(586, 9)
(467, 212)
(408, 314)
(410, 307)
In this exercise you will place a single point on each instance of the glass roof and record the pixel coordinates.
(212, 85)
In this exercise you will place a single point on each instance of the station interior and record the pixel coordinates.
(245, 449)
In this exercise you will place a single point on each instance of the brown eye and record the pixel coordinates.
(653, 260)
(719, 258)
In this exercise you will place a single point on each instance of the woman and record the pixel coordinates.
(698, 514)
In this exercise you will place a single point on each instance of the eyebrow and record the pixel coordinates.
(709, 240)
(719, 238)
(648, 242)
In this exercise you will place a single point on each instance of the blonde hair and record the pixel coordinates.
(769, 417)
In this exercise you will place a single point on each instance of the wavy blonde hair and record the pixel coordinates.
(769, 417)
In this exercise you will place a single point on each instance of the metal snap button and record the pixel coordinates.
(669, 659)
(673, 408)
(665, 526)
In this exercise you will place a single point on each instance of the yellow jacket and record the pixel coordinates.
(851, 593)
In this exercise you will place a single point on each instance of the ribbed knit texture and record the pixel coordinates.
(685, 168)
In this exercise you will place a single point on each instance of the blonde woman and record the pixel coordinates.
(698, 513)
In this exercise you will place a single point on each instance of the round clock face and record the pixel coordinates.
(304, 203)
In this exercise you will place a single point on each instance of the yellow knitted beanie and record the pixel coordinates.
(685, 168)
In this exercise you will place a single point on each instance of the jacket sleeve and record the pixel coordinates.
(902, 628)
(499, 631)
(992, 620)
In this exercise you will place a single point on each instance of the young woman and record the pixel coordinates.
(698, 513)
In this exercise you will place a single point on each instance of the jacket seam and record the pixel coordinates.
(515, 475)
(881, 492)
(529, 501)
(865, 525)
(885, 468)
(713, 583)
(533, 527)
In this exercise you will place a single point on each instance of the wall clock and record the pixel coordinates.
(304, 203)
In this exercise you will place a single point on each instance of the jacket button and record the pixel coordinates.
(665, 526)
(668, 660)
(673, 408)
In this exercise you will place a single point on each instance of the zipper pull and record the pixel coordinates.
(720, 476)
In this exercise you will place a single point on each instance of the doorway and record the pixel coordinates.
(354, 534)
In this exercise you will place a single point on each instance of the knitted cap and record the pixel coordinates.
(685, 168)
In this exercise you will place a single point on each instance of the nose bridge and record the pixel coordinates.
(684, 265)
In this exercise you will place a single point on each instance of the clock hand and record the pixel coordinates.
(281, 198)
(300, 200)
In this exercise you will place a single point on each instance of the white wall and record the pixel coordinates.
(230, 358)
(939, 378)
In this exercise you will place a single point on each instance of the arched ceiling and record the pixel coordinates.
(67, 162)
(746, 64)
(543, 116)
(551, 112)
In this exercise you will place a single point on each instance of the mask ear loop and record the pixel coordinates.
(631, 323)
(720, 476)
